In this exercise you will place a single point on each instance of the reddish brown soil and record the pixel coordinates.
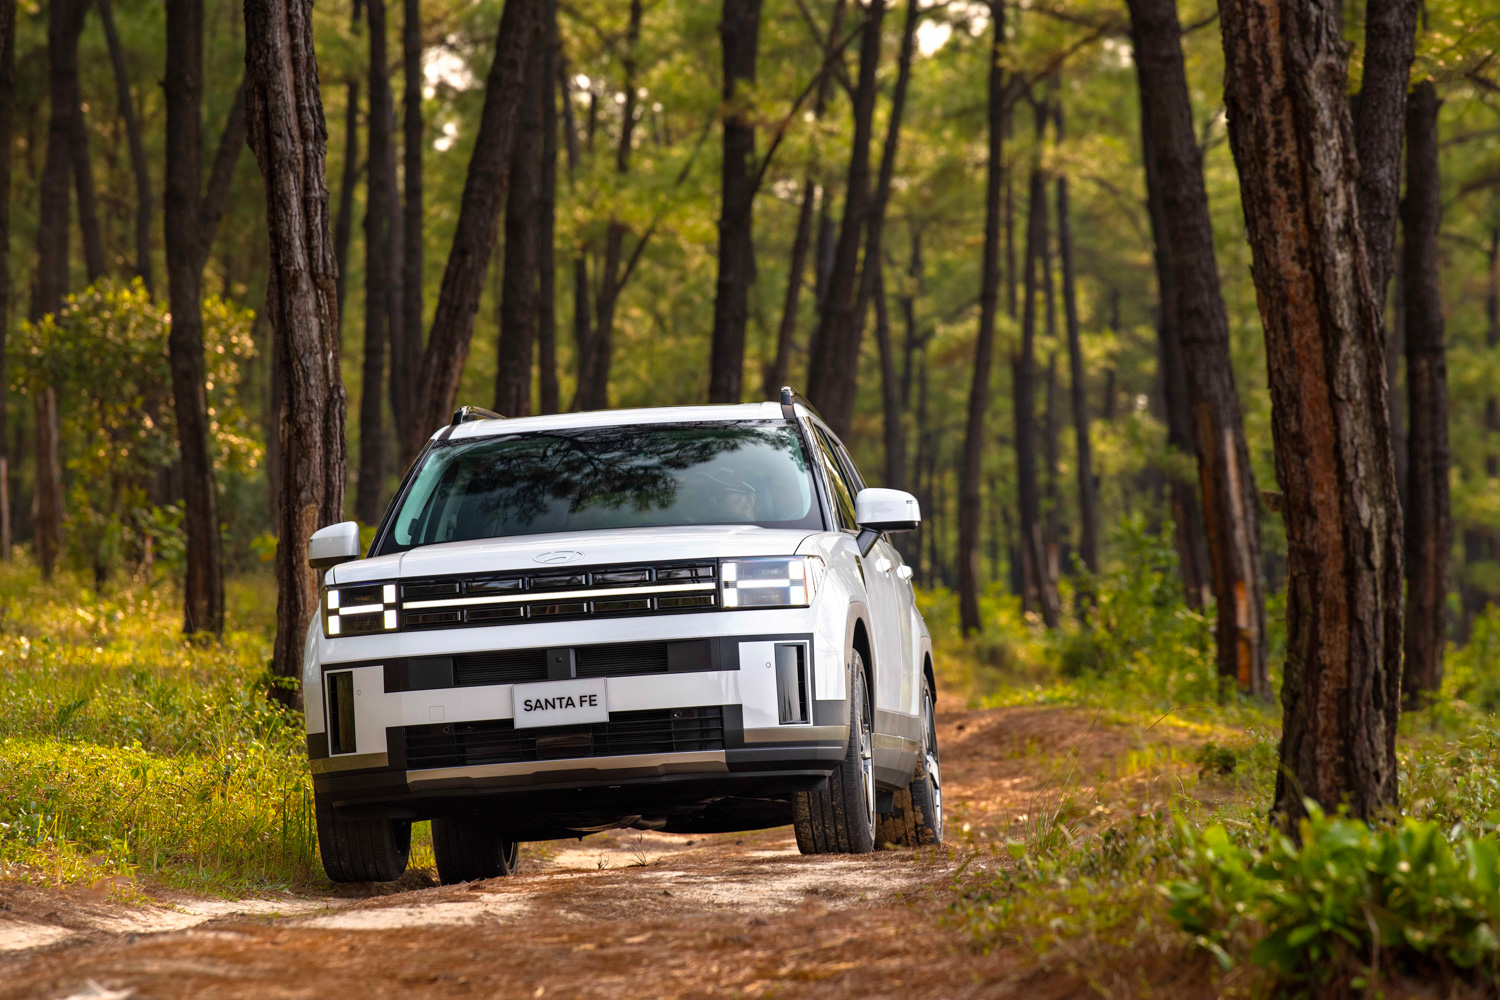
(624, 914)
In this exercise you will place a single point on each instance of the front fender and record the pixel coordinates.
(312, 681)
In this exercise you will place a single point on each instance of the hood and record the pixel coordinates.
(592, 548)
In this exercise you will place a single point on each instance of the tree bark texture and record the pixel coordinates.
(1231, 513)
(478, 225)
(284, 114)
(739, 36)
(343, 223)
(382, 278)
(519, 290)
(7, 118)
(1088, 501)
(203, 594)
(593, 375)
(1429, 525)
(406, 365)
(144, 211)
(1379, 119)
(1292, 139)
(969, 585)
(833, 368)
(548, 394)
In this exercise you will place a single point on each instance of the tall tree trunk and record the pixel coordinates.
(786, 334)
(404, 367)
(833, 368)
(1023, 372)
(284, 113)
(1088, 504)
(890, 389)
(382, 277)
(909, 315)
(203, 595)
(582, 325)
(1482, 543)
(64, 25)
(478, 224)
(221, 178)
(593, 379)
(519, 294)
(343, 223)
(739, 34)
(95, 262)
(1429, 527)
(548, 394)
(1379, 118)
(1291, 135)
(1231, 513)
(969, 585)
(144, 211)
(7, 119)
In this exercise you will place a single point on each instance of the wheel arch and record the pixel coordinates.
(858, 637)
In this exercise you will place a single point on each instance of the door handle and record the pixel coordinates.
(883, 565)
(904, 572)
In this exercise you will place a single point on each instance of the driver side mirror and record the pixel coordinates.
(886, 510)
(337, 543)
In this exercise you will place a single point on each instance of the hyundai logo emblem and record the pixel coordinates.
(558, 556)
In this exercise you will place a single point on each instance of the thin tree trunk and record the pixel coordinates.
(909, 315)
(203, 595)
(969, 513)
(1088, 505)
(478, 225)
(1231, 513)
(786, 334)
(1051, 495)
(593, 381)
(7, 120)
(890, 386)
(382, 277)
(343, 225)
(546, 237)
(739, 33)
(582, 325)
(284, 113)
(1482, 543)
(1379, 119)
(144, 211)
(64, 24)
(832, 367)
(1429, 526)
(1291, 135)
(95, 263)
(518, 298)
(404, 367)
(221, 178)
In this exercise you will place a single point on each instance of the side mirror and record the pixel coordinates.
(886, 510)
(337, 543)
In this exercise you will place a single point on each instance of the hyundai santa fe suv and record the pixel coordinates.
(687, 619)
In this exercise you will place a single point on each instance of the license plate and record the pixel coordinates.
(560, 703)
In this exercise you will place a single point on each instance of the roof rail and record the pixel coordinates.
(466, 413)
(790, 397)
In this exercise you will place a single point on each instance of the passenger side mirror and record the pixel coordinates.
(337, 543)
(886, 510)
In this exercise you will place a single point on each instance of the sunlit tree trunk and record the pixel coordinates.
(1291, 135)
(284, 114)
(1429, 525)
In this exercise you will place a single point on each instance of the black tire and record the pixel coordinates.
(916, 816)
(362, 850)
(839, 817)
(469, 848)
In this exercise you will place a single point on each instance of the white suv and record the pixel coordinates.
(685, 618)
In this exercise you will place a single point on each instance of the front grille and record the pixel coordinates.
(470, 744)
(591, 592)
(506, 666)
(624, 660)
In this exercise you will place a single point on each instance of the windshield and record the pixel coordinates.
(637, 476)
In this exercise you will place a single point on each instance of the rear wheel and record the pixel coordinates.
(916, 816)
(469, 848)
(362, 850)
(839, 818)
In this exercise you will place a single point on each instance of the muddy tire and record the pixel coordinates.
(467, 849)
(362, 850)
(839, 817)
(916, 816)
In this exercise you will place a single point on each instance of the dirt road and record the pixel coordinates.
(623, 914)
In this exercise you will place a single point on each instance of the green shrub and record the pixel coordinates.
(1346, 906)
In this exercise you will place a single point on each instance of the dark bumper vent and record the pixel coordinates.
(472, 744)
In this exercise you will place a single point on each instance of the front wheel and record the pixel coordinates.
(467, 848)
(362, 850)
(839, 818)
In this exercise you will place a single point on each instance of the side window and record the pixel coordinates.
(851, 473)
(843, 497)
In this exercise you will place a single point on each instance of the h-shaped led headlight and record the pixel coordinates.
(770, 582)
(360, 609)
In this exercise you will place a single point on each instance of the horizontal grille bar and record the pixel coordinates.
(466, 744)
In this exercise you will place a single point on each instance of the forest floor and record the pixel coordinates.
(632, 914)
